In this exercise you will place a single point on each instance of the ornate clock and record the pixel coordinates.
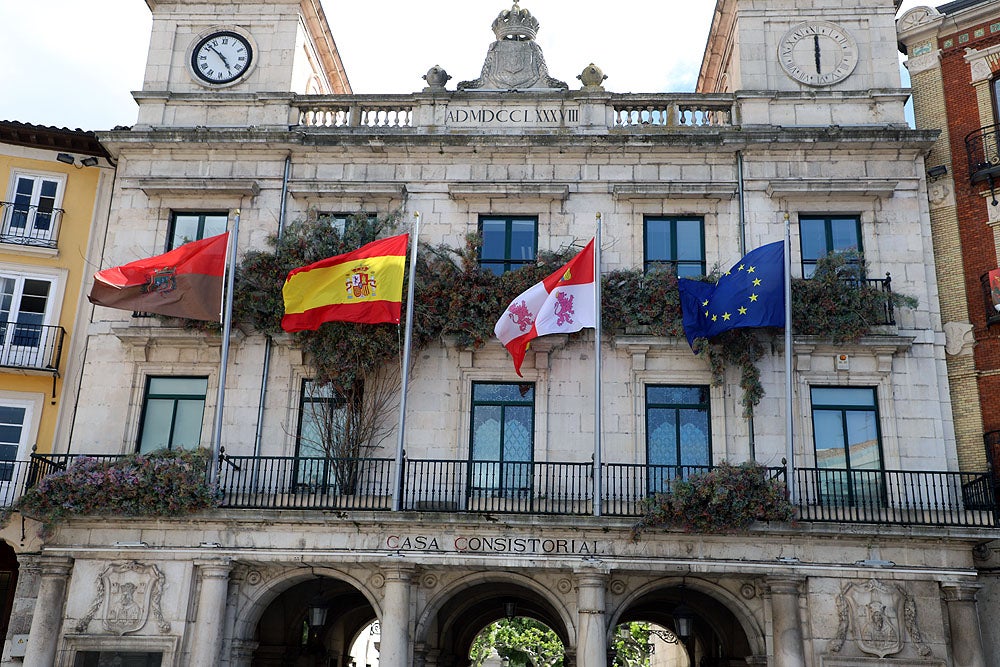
(818, 53)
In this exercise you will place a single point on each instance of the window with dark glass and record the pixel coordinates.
(13, 436)
(678, 432)
(24, 308)
(502, 439)
(118, 659)
(187, 227)
(33, 214)
(674, 242)
(848, 444)
(321, 426)
(508, 242)
(821, 235)
(172, 413)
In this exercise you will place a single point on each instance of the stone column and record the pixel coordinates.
(242, 652)
(394, 650)
(592, 636)
(46, 623)
(206, 638)
(963, 619)
(789, 650)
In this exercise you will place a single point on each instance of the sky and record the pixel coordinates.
(74, 63)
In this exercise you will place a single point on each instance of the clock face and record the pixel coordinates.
(818, 53)
(222, 57)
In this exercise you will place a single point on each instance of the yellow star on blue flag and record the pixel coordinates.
(751, 294)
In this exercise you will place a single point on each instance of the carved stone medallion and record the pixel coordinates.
(127, 593)
(877, 613)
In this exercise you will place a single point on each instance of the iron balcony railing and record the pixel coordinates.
(984, 153)
(883, 309)
(904, 497)
(31, 346)
(30, 225)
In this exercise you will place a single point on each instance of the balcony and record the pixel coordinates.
(883, 497)
(883, 311)
(630, 113)
(35, 347)
(33, 226)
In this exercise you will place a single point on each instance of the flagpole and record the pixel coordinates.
(397, 500)
(789, 441)
(227, 326)
(598, 482)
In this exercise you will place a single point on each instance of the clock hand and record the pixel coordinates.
(221, 57)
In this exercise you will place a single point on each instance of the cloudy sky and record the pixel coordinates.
(73, 63)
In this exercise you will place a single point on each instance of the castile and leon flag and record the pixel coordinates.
(562, 303)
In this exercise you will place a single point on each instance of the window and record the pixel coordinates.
(172, 413)
(32, 214)
(848, 445)
(187, 227)
(508, 243)
(15, 427)
(678, 434)
(503, 438)
(321, 422)
(675, 242)
(821, 235)
(25, 308)
(118, 659)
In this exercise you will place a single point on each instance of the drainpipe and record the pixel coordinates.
(743, 250)
(258, 436)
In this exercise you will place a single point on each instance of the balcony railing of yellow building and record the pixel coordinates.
(35, 226)
(35, 347)
(902, 497)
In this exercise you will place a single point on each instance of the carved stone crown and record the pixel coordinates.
(515, 23)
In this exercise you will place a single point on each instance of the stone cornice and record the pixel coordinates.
(187, 186)
(830, 187)
(676, 190)
(357, 189)
(516, 190)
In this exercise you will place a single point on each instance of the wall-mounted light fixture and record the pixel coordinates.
(66, 158)
(509, 609)
(89, 161)
(938, 171)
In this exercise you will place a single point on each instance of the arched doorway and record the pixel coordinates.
(314, 623)
(471, 611)
(689, 628)
(8, 584)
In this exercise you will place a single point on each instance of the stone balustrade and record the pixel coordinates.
(515, 110)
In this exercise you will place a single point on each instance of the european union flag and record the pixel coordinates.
(751, 294)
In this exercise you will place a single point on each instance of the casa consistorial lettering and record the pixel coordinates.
(467, 116)
(494, 545)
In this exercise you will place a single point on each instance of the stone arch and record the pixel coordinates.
(744, 616)
(251, 610)
(443, 611)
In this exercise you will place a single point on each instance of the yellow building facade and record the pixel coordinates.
(56, 185)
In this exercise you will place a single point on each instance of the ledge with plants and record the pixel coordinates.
(727, 498)
(165, 483)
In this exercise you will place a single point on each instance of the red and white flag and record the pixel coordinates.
(562, 303)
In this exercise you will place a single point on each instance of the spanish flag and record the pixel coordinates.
(364, 286)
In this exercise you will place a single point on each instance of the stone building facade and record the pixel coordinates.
(799, 111)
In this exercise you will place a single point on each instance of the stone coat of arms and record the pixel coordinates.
(878, 613)
(127, 593)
